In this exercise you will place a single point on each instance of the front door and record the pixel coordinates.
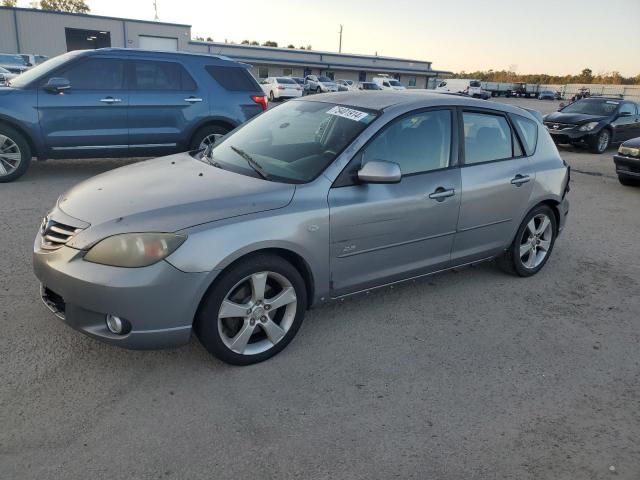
(165, 102)
(384, 233)
(627, 124)
(497, 180)
(89, 119)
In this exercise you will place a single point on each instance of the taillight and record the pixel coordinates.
(280, 87)
(260, 100)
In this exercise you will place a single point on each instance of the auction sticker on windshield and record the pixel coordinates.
(350, 113)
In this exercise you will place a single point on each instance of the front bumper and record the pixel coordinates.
(159, 301)
(627, 166)
(572, 135)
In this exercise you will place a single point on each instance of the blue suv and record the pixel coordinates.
(122, 103)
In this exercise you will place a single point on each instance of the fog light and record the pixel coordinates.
(115, 324)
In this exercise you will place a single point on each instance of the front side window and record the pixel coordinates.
(417, 143)
(95, 74)
(628, 108)
(487, 137)
(149, 75)
(294, 142)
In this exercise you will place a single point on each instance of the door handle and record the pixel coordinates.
(520, 179)
(441, 193)
(192, 99)
(110, 100)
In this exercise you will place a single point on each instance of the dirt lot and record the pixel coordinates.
(467, 375)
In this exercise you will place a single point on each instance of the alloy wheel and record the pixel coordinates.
(536, 241)
(257, 313)
(10, 156)
(210, 140)
(603, 140)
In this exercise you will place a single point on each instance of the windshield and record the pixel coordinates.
(12, 60)
(36, 72)
(324, 79)
(293, 142)
(597, 107)
(474, 84)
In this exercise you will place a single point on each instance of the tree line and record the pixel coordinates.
(586, 76)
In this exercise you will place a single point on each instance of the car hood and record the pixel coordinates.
(165, 195)
(572, 118)
(633, 143)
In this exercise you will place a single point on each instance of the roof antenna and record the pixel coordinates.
(155, 9)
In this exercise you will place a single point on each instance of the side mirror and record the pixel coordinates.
(380, 171)
(57, 85)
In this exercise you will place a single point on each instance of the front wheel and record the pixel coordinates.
(207, 135)
(271, 96)
(318, 90)
(15, 154)
(601, 142)
(533, 243)
(253, 310)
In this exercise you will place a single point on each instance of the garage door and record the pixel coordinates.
(158, 43)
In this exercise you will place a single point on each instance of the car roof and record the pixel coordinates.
(411, 99)
(132, 52)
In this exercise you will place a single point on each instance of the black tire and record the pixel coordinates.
(206, 322)
(318, 90)
(511, 262)
(595, 144)
(628, 182)
(204, 132)
(272, 98)
(15, 137)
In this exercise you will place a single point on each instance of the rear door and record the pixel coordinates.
(89, 119)
(497, 179)
(383, 233)
(164, 103)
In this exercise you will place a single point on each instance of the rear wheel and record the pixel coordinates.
(533, 243)
(15, 154)
(253, 311)
(318, 90)
(207, 135)
(271, 96)
(601, 141)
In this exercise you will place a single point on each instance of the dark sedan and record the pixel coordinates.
(596, 122)
(628, 162)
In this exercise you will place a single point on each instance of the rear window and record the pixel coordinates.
(285, 80)
(528, 130)
(233, 79)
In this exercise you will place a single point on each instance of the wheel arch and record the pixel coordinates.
(215, 121)
(35, 151)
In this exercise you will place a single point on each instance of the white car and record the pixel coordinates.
(315, 84)
(6, 76)
(280, 87)
(473, 88)
(346, 85)
(388, 83)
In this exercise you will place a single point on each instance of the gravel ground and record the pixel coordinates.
(464, 375)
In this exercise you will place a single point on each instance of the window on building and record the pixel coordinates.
(287, 72)
(80, 39)
(148, 75)
(412, 82)
(263, 72)
(362, 76)
(329, 74)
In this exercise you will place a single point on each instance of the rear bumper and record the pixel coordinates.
(627, 166)
(158, 301)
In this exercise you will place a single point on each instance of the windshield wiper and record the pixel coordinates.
(252, 163)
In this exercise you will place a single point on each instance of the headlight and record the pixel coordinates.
(628, 151)
(587, 127)
(134, 250)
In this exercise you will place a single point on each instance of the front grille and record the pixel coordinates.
(561, 126)
(55, 234)
(53, 301)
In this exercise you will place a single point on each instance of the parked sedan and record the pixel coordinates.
(547, 95)
(627, 162)
(277, 88)
(345, 85)
(318, 199)
(315, 84)
(369, 86)
(596, 122)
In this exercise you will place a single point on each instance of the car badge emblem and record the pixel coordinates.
(556, 127)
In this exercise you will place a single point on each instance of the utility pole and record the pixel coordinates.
(155, 9)
(340, 44)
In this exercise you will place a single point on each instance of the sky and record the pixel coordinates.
(554, 37)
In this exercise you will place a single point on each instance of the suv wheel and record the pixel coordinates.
(207, 135)
(15, 154)
(253, 310)
(601, 141)
(533, 243)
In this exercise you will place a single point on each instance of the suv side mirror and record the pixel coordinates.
(380, 171)
(57, 85)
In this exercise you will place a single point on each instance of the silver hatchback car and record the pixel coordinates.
(313, 200)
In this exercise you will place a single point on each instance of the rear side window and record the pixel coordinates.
(528, 130)
(487, 137)
(233, 79)
(148, 75)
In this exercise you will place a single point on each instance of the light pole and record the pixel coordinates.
(340, 44)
